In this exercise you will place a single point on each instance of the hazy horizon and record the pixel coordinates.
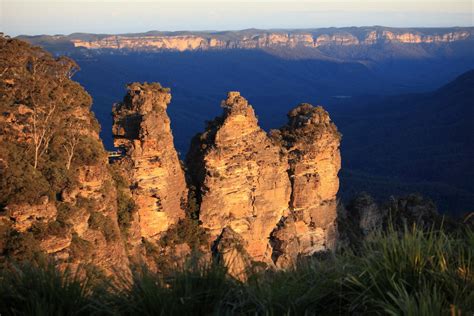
(23, 17)
(244, 29)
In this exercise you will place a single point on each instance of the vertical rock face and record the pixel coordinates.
(312, 144)
(142, 130)
(241, 177)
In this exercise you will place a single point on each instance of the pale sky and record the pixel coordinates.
(35, 17)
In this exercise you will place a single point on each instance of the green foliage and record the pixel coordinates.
(192, 207)
(4, 235)
(185, 231)
(399, 270)
(65, 212)
(151, 248)
(312, 287)
(125, 204)
(48, 111)
(119, 180)
(19, 182)
(42, 230)
(195, 291)
(90, 151)
(125, 209)
(80, 248)
(102, 223)
(408, 273)
(88, 204)
(31, 289)
(22, 246)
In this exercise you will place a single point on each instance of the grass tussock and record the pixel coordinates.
(409, 273)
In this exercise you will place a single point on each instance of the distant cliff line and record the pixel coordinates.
(260, 39)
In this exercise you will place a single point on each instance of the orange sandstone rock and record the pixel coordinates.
(312, 142)
(142, 130)
(241, 177)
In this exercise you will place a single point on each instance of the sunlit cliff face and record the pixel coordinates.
(264, 40)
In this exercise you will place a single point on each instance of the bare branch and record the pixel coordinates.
(72, 139)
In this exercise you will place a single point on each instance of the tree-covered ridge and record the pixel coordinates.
(45, 127)
(57, 195)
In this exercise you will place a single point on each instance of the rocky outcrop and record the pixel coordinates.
(95, 236)
(230, 250)
(273, 196)
(24, 215)
(142, 132)
(58, 197)
(363, 217)
(259, 39)
(312, 144)
(241, 177)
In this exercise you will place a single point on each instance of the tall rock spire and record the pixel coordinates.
(241, 177)
(312, 144)
(142, 130)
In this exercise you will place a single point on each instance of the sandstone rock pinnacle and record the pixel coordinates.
(241, 177)
(142, 130)
(312, 142)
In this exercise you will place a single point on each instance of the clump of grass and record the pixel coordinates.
(312, 287)
(413, 272)
(193, 291)
(42, 289)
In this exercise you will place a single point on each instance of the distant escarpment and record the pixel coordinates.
(253, 39)
(320, 38)
(58, 196)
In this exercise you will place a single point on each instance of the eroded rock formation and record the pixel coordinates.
(260, 198)
(142, 131)
(241, 177)
(312, 144)
(278, 193)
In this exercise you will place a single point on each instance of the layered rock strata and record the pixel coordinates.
(312, 144)
(143, 134)
(241, 177)
(263, 39)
